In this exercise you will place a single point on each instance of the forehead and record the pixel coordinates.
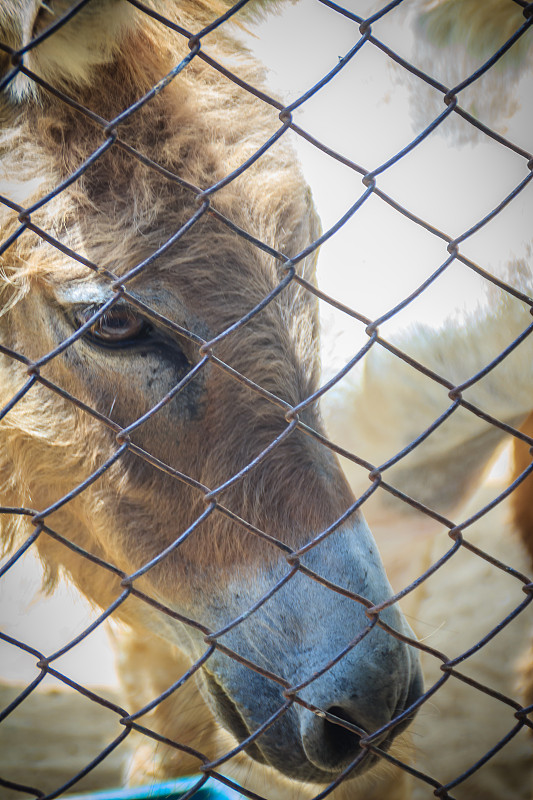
(205, 270)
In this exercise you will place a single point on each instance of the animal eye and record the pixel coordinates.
(120, 326)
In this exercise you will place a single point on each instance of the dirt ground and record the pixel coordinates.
(55, 732)
(51, 736)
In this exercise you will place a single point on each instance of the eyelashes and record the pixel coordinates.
(119, 326)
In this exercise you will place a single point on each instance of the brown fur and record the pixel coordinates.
(132, 222)
(523, 494)
(115, 215)
(522, 512)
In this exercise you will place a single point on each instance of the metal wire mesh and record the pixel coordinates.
(111, 137)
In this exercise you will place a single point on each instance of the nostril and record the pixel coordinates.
(330, 745)
(343, 742)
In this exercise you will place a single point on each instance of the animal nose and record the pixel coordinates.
(332, 747)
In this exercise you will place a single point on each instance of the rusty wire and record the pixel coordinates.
(288, 273)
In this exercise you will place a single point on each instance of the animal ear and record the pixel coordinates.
(91, 37)
(15, 30)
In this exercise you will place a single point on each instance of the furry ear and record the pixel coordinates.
(66, 58)
(16, 23)
(93, 35)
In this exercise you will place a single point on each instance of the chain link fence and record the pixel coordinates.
(100, 179)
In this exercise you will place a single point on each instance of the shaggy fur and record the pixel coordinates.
(117, 213)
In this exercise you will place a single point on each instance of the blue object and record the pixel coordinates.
(169, 790)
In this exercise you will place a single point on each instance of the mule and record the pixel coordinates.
(200, 493)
